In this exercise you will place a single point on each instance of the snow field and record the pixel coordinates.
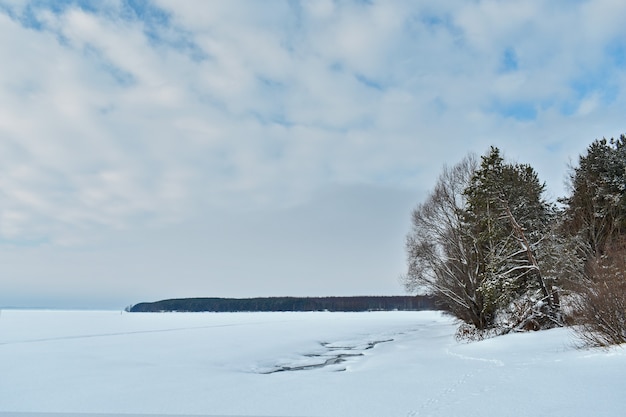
(269, 364)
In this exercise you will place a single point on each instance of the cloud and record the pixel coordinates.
(124, 114)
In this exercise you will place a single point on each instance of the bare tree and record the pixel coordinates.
(601, 304)
(441, 254)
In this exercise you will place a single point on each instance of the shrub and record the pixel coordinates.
(600, 307)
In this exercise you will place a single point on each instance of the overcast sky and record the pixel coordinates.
(160, 149)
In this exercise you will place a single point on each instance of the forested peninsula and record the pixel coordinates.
(358, 303)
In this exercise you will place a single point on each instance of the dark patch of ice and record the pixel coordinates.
(329, 359)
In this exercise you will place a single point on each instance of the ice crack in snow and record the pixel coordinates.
(335, 355)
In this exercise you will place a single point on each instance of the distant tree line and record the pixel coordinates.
(503, 258)
(363, 303)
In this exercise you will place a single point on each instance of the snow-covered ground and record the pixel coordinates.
(269, 364)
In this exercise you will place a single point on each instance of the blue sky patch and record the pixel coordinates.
(369, 82)
(28, 18)
(433, 21)
(598, 83)
(122, 78)
(271, 118)
(436, 22)
(159, 29)
(509, 61)
(156, 23)
(554, 147)
(519, 110)
(616, 52)
(146, 12)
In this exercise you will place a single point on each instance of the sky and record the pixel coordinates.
(164, 149)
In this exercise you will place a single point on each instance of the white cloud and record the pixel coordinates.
(128, 120)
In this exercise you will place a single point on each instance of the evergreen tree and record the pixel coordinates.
(475, 243)
(596, 208)
(595, 216)
(509, 218)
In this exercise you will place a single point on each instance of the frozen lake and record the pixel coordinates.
(295, 364)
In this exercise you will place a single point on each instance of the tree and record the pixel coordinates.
(474, 243)
(601, 304)
(596, 207)
(595, 216)
(441, 257)
(510, 220)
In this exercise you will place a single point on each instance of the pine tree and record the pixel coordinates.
(596, 208)
(509, 219)
(475, 243)
(595, 215)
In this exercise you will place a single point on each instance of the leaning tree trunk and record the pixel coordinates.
(549, 292)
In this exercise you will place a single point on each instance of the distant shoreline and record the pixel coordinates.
(269, 304)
